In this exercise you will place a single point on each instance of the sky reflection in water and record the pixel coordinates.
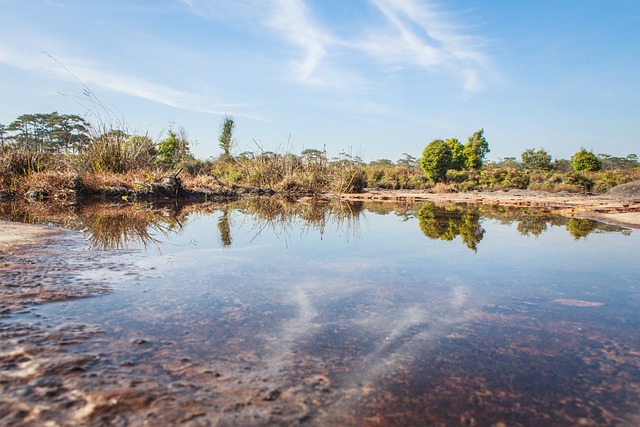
(418, 314)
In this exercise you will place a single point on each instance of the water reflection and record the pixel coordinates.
(446, 222)
(279, 216)
(115, 226)
(240, 329)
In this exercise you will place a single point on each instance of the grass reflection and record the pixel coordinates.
(280, 215)
(118, 227)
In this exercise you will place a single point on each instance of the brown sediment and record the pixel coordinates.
(43, 264)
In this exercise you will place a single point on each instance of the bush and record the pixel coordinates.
(585, 161)
(583, 182)
(504, 178)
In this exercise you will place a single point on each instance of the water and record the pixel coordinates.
(261, 312)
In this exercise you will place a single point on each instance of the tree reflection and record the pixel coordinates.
(224, 226)
(581, 227)
(446, 222)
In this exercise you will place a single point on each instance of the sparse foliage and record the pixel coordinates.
(226, 137)
(536, 159)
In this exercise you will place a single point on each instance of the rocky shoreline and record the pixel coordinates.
(621, 206)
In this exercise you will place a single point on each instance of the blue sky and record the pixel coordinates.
(374, 78)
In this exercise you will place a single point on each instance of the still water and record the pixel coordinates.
(262, 312)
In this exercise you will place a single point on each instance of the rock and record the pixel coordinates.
(630, 190)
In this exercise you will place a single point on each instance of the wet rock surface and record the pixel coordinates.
(556, 361)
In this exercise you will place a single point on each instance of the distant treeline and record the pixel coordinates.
(54, 143)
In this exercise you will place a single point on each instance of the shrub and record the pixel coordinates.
(504, 178)
(457, 176)
(585, 161)
(583, 182)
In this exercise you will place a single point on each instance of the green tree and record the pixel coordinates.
(50, 132)
(226, 137)
(475, 150)
(68, 133)
(536, 160)
(457, 153)
(30, 131)
(173, 149)
(612, 162)
(436, 160)
(585, 160)
(563, 165)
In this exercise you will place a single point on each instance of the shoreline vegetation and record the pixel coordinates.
(65, 159)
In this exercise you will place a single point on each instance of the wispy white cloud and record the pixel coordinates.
(315, 65)
(291, 18)
(416, 35)
(421, 36)
(93, 74)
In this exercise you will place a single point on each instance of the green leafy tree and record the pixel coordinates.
(436, 160)
(586, 161)
(536, 159)
(173, 149)
(226, 137)
(475, 150)
(562, 165)
(51, 132)
(457, 153)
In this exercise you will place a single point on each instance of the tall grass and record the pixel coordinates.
(116, 151)
(20, 162)
(288, 173)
